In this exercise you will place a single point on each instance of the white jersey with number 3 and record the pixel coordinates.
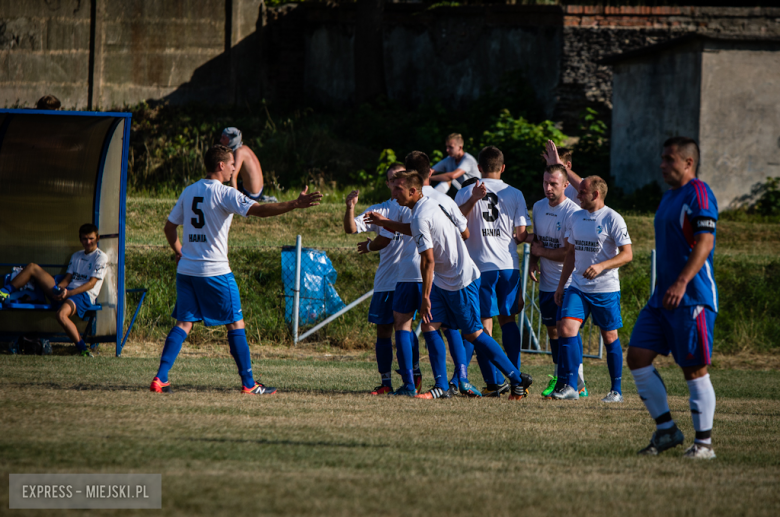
(596, 237)
(205, 209)
(550, 223)
(492, 223)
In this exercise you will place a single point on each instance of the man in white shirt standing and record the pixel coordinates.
(562, 156)
(205, 287)
(397, 268)
(598, 244)
(79, 288)
(548, 250)
(457, 168)
(497, 215)
(450, 286)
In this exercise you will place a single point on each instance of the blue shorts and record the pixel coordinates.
(499, 292)
(211, 299)
(381, 310)
(457, 310)
(603, 307)
(82, 303)
(686, 332)
(408, 296)
(551, 311)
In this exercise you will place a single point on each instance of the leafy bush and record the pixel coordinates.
(769, 202)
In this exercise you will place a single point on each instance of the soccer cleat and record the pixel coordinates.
(520, 391)
(258, 389)
(700, 451)
(3, 296)
(662, 440)
(550, 386)
(584, 391)
(435, 393)
(267, 199)
(454, 390)
(495, 390)
(86, 353)
(418, 380)
(159, 386)
(565, 392)
(382, 390)
(467, 389)
(402, 391)
(613, 396)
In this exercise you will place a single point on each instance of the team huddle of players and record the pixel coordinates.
(475, 277)
(456, 263)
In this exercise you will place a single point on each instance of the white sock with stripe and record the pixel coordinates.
(702, 402)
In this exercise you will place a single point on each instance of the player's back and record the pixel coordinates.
(205, 210)
(550, 224)
(491, 225)
(448, 204)
(433, 228)
(682, 214)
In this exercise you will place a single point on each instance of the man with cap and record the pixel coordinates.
(247, 165)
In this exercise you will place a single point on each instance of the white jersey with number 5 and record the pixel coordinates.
(596, 237)
(550, 223)
(206, 209)
(492, 223)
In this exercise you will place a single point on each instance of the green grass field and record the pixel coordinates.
(323, 447)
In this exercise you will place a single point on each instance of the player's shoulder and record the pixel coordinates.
(77, 255)
(704, 197)
(612, 216)
(539, 206)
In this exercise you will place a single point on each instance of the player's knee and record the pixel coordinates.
(638, 358)
(384, 331)
(569, 327)
(609, 336)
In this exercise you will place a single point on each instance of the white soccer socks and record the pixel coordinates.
(652, 391)
(702, 403)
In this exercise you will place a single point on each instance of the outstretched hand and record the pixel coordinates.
(352, 198)
(306, 200)
(363, 247)
(479, 191)
(550, 154)
(375, 218)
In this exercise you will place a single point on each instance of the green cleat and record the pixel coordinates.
(583, 392)
(550, 386)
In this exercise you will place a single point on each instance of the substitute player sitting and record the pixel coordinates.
(206, 289)
(598, 244)
(496, 215)
(680, 315)
(249, 178)
(548, 250)
(77, 291)
(396, 266)
(451, 295)
(454, 170)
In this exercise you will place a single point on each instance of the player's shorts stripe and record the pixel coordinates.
(570, 318)
(712, 285)
(701, 327)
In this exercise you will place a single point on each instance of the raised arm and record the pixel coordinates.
(305, 200)
(389, 224)
(477, 193)
(349, 216)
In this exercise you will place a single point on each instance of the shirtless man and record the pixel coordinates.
(247, 165)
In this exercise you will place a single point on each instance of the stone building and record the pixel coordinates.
(722, 91)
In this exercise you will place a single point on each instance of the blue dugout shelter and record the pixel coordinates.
(59, 170)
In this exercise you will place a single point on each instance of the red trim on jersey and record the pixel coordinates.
(570, 318)
(701, 194)
(701, 326)
(687, 230)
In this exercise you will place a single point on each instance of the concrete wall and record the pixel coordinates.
(654, 98)
(740, 118)
(104, 53)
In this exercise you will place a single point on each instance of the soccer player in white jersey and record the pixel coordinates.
(461, 352)
(392, 263)
(457, 168)
(497, 215)
(205, 287)
(680, 315)
(548, 250)
(598, 244)
(450, 287)
(562, 156)
(76, 291)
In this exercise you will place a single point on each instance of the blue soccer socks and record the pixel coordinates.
(404, 351)
(239, 349)
(615, 364)
(171, 350)
(384, 359)
(490, 373)
(437, 352)
(496, 355)
(81, 346)
(511, 338)
(457, 352)
(569, 359)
